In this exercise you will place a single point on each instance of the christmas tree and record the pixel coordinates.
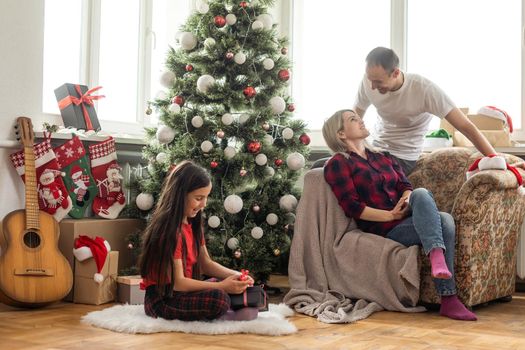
(226, 107)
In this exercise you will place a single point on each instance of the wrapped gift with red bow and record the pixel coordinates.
(76, 106)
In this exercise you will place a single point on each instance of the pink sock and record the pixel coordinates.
(453, 308)
(244, 314)
(438, 264)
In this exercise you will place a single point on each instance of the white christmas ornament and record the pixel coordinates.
(268, 139)
(161, 157)
(214, 221)
(202, 7)
(229, 152)
(197, 121)
(268, 63)
(288, 202)
(206, 146)
(165, 134)
(144, 201)
(161, 95)
(231, 19)
(266, 20)
(167, 78)
(233, 204)
(239, 58)
(287, 133)
(243, 118)
(174, 108)
(257, 25)
(272, 219)
(269, 171)
(151, 168)
(295, 161)
(227, 119)
(188, 41)
(277, 104)
(209, 42)
(204, 82)
(261, 159)
(232, 243)
(257, 232)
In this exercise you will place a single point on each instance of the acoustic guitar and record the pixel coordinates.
(33, 272)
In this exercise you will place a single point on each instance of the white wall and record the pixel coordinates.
(21, 42)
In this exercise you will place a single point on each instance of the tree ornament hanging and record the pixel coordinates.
(290, 107)
(284, 50)
(232, 243)
(268, 63)
(233, 204)
(266, 20)
(277, 104)
(202, 7)
(206, 146)
(178, 100)
(220, 134)
(284, 74)
(261, 159)
(254, 146)
(188, 41)
(269, 171)
(165, 134)
(257, 232)
(204, 82)
(287, 133)
(209, 43)
(174, 108)
(243, 118)
(148, 110)
(229, 55)
(227, 119)
(167, 78)
(276, 252)
(268, 139)
(144, 201)
(229, 152)
(242, 172)
(272, 219)
(214, 221)
(161, 157)
(305, 139)
(278, 162)
(266, 126)
(213, 164)
(219, 21)
(197, 121)
(249, 92)
(239, 57)
(243, 4)
(257, 25)
(130, 246)
(231, 19)
(237, 254)
(295, 161)
(188, 68)
(288, 202)
(256, 208)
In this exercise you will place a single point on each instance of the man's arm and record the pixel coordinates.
(471, 132)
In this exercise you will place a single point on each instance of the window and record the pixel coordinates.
(474, 55)
(118, 44)
(330, 44)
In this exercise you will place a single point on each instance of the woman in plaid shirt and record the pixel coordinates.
(371, 188)
(174, 254)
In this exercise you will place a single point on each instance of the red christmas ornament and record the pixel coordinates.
(284, 74)
(278, 162)
(189, 68)
(219, 21)
(178, 100)
(229, 56)
(243, 4)
(214, 164)
(254, 146)
(291, 107)
(249, 92)
(284, 50)
(305, 139)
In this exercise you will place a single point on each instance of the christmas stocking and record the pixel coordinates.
(72, 160)
(52, 194)
(110, 199)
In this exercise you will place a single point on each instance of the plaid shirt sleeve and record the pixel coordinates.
(338, 174)
(402, 184)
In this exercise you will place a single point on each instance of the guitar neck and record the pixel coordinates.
(32, 209)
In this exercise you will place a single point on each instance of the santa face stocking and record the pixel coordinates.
(110, 199)
(73, 161)
(52, 194)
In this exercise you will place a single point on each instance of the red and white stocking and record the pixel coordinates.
(53, 197)
(110, 199)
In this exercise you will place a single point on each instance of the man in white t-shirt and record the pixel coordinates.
(406, 103)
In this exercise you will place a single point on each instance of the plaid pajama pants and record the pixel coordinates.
(207, 304)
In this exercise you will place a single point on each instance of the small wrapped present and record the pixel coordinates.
(76, 106)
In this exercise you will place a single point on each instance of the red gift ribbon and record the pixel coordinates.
(82, 100)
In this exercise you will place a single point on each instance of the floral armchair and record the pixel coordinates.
(488, 210)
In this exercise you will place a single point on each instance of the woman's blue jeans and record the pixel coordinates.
(430, 228)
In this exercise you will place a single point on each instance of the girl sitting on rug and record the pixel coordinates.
(371, 187)
(174, 255)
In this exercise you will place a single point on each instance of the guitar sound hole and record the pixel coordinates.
(31, 239)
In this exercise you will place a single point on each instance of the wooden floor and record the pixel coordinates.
(500, 326)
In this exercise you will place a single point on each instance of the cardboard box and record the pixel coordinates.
(129, 291)
(497, 138)
(81, 116)
(86, 290)
(114, 231)
(486, 123)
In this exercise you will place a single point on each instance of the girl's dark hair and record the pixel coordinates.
(162, 233)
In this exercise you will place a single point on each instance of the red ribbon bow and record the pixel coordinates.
(82, 100)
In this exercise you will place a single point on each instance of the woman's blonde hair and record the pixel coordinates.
(331, 127)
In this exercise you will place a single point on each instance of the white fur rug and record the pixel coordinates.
(132, 319)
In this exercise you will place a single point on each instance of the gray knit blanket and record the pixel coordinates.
(339, 273)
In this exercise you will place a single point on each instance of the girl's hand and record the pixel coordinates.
(400, 210)
(232, 285)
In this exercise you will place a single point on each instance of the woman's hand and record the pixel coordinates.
(401, 209)
(233, 285)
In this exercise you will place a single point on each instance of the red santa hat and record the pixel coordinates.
(86, 247)
(494, 112)
(493, 161)
(76, 171)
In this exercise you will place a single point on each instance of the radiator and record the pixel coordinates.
(520, 256)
